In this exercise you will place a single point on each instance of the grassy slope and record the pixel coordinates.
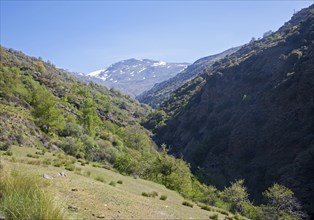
(95, 198)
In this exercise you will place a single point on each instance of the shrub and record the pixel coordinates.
(100, 178)
(22, 198)
(154, 194)
(120, 182)
(215, 217)
(57, 163)
(237, 217)
(34, 162)
(222, 212)
(151, 194)
(47, 161)
(205, 207)
(71, 129)
(4, 146)
(186, 203)
(32, 156)
(69, 167)
(8, 153)
(145, 194)
(163, 197)
(69, 145)
(87, 173)
(112, 183)
(42, 152)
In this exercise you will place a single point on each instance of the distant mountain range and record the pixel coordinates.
(162, 91)
(134, 76)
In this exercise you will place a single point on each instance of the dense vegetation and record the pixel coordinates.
(250, 116)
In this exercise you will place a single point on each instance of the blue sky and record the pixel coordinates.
(88, 35)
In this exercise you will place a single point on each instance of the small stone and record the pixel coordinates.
(62, 174)
(101, 216)
(46, 176)
(73, 208)
(2, 216)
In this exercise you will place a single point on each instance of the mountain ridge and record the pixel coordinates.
(134, 76)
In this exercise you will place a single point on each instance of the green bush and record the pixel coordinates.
(47, 161)
(151, 194)
(112, 183)
(100, 178)
(145, 194)
(87, 173)
(205, 207)
(23, 198)
(69, 167)
(69, 145)
(186, 203)
(163, 197)
(5, 145)
(8, 153)
(214, 217)
(32, 156)
(57, 163)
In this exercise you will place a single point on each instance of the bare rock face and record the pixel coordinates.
(251, 117)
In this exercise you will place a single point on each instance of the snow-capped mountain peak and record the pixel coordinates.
(134, 76)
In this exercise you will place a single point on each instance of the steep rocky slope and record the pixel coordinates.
(161, 91)
(251, 115)
(135, 76)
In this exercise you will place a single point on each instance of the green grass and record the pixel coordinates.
(22, 198)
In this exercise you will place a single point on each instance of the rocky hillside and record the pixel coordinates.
(250, 116)
(134, 76)
(161, 91)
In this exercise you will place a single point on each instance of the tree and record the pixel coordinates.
(90, 119)
(48, 117)
(236, 195)
(281, 201)
(40, 66)
(268, 33)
